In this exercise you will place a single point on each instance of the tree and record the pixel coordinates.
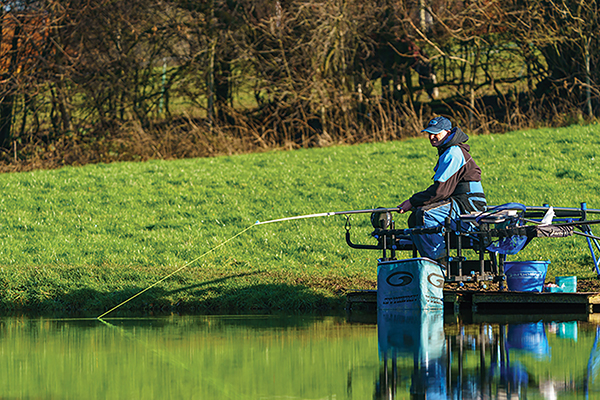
(22, 35)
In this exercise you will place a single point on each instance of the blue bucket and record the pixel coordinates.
(526, 276)
(530, 337)
(567, 284)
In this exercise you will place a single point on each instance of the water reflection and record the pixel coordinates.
(422, 357)
(390, 355)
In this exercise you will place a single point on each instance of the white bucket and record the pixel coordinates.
(412, 284)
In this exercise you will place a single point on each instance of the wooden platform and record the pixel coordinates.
(497, 302)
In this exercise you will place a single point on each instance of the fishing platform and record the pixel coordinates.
(495, 302)
(474, 274)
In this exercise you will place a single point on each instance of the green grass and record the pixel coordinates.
(87, 238)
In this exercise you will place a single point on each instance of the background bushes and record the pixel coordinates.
(89, 81)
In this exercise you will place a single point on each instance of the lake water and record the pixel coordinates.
(391, 356)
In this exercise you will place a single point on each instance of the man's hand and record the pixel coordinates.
(405, 206)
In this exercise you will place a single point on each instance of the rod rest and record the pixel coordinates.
(386, 241)
(362, 246)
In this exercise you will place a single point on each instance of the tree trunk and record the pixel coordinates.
(6, 110)
(222, 91)
(8, 97)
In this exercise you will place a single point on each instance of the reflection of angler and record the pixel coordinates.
(412, 335)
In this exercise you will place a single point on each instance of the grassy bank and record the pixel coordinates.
(87, 238)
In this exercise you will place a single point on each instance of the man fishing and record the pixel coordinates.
(456, 188)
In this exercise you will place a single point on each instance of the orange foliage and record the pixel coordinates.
(21, 43)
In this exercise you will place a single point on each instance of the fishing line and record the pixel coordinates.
(174, 272)
(327, 214)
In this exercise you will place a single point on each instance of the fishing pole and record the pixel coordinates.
(395, 209)
(328, 214)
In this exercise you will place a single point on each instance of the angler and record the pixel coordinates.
(456, 187)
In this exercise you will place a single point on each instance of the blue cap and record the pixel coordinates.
(437, 125)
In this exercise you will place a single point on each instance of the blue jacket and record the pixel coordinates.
(457, 176)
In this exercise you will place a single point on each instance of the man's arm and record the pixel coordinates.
(447, 176)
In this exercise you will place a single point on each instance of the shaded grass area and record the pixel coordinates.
(92, 289)
(88, 238)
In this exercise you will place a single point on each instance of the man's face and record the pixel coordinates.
(438, 139)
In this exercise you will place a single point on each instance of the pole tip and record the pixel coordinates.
(257, 222)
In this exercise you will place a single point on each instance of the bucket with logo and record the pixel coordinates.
(411, 284)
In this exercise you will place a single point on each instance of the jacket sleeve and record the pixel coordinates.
(447, 176)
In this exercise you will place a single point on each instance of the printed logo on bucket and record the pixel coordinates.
(436, 280)
(400, 278)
